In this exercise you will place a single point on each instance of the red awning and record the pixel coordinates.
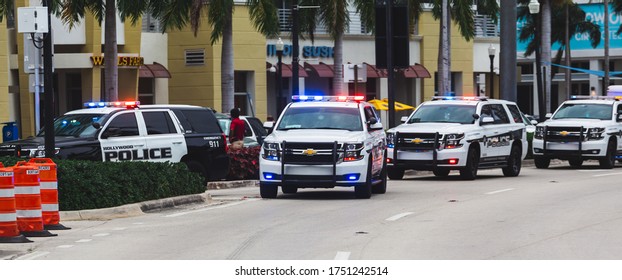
(373, 72)
(416, 71)
(287, 70)
(323, 70)
(155, 70)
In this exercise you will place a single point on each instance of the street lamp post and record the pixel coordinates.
(295, 65)
(534, 9)
(279, 76)
(491, 54)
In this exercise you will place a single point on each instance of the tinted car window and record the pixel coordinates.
(76, 125)
(198, 121)
(444, 113)
(257, 126)
(516, 115)
(126, 125)
(499, 114)
(158, 123)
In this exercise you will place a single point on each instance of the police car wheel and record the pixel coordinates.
(267, 191)
(289, 189)
(395, 173)
(364, 191)
(469, 172)
(576, 163)
(382, 186)
(196, 167)
(609, 161)
(541, 162)
(514, 163)
(443, 172)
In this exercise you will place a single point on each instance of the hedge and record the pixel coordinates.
(244, 163)
(93, 184)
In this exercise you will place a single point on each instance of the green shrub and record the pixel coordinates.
(244, 163)
(93, 184)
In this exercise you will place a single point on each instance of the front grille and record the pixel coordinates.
(565, 134)
(418, 141)
(311, 153)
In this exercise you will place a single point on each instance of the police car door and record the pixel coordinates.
(120, 138)
(165, 140)
(378, 140)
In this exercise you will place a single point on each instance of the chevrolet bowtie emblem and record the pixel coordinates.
(416, 141)
(564, 133)
(309, 152)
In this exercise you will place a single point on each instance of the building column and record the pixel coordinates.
(595, 82)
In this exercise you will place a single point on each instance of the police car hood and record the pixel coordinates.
(35, 142)
(316, 135)
(441, 128)
(587, 123)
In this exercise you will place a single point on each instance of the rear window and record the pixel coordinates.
(198, 121)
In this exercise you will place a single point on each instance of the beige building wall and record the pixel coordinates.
(4, 73)
(461, 56)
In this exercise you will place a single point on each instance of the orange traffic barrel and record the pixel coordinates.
(48, 183)
(28, 200)
(9, 233)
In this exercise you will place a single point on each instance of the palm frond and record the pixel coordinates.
(133, 9)
(218, 15)
(264, 17)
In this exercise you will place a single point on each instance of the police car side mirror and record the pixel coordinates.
(548, 115)
(487, 120)
(404, 119)
(534, 122)
(268, 125)
(97, 125)
(372, 121)
(376, 126)
(475, 116)
(111, 132)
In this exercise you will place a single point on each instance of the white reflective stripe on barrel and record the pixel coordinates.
(7, 192)
(29, 213)
(49, 207)
(9, 217)
(27, 190)
(6, 174)
(49, 185)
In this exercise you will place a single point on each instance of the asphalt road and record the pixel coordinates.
(559, 213)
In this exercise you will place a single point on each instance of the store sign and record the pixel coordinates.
(307, 51)
(122, 61)
(594, 13)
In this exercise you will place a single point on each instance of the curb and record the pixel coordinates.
(232, 184)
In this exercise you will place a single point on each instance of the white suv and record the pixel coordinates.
(459, 133)
(323, 142)
(581, 129)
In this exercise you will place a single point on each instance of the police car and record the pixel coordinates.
(323, 142)
(582, 128)
(458, 133)
(125, 131)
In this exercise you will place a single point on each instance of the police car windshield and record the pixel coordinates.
(584, 111)
(444, 113)
(321, 118)
(76, 125)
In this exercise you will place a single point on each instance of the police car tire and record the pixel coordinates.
(382, 187)
(441, 172)
(364, 191)
(469, 172)
(541, 162)
(575, 162)
(267, 191)
(609, 161)
(197, 167)
(514, 163)
(289, 189)
(395, 173)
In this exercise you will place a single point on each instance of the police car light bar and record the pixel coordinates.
(120, 104)
(597, 97)
(465, 98)
(302, 98)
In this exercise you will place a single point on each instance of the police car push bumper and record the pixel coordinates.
(591, 148)
(455, 157)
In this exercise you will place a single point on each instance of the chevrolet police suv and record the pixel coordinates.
(589, 128)
(458, 133)
(323, 142)
(124, 131)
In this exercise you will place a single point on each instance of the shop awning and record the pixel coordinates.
(323, 70)
(155, 70)
(287, 70)
(416, 71)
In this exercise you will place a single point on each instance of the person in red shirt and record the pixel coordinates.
(236, 130)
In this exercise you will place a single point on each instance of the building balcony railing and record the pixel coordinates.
(355, 26)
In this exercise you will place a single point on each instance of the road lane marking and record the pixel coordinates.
(84, 240)
(342, 255)
(500, 191)
(592, 170)
(139, 223)
(210, 208)
(65, 246)
(101, 234)
(399, 216)
(119, 228)
(33, 255)
(607, 174)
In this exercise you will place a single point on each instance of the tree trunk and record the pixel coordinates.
(338, 66)
(606, 66)
(444, 61)
(546, 50)
(568, 76)
(111, 68)
(226, 65)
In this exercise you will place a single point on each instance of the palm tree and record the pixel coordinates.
(6, 8)
(176, 14)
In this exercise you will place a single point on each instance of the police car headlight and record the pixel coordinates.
(353, 151)
(391, 139)
(271, 151)
(452, 141)
(595, 133)
(539, 134)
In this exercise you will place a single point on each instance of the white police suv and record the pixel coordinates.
(323, 142)
(125, 131)
(458, 133)
(582, 128)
